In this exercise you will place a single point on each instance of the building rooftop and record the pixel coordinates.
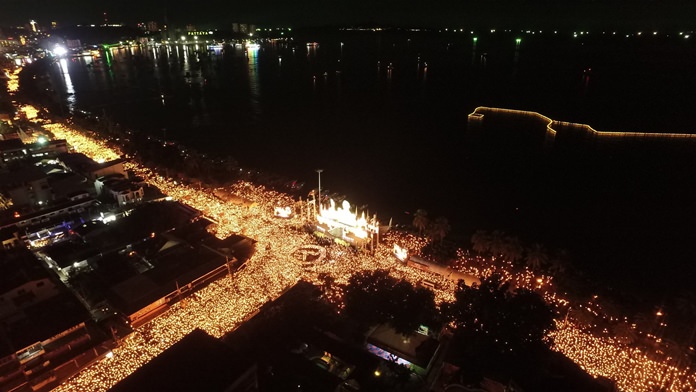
(44, 320)
(65, 205)
(91, 227)
(198, 362)
(124, 185)
(239, 246)
(176, 266)
(292, 336)
(66, 253)
(18, 267)
(47, 145)
(110, 176)
(417, 348)
(64, 184)
(11, 145)
(77, 162)
(17, 177)
(104, 165)
(141, 223)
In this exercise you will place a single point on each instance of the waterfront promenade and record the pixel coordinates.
(225, 304)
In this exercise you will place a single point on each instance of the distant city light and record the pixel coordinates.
(60, 51)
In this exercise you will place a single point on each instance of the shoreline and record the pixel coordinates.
(565, 338)
(452, 244)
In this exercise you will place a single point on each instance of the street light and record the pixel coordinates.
(319, 173)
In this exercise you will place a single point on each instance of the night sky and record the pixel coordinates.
(572, 14)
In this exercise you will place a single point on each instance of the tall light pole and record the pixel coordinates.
(319, 173)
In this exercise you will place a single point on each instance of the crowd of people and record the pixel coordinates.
(223, 305)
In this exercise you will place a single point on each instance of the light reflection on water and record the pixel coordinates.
(254, 88)
(69, 89)
(386, 135)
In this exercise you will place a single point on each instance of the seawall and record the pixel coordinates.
(567, 133)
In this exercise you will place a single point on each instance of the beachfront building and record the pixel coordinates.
(122, 190)
(27, 186)
(24, 282)
(44, 326)
(81, 164)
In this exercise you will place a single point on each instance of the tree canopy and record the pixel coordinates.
(494, 316)
(375, 297)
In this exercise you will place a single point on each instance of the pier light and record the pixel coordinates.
(60, 51)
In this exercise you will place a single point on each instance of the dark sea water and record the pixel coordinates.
(384, 115)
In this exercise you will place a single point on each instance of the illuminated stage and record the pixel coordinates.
(345, 226)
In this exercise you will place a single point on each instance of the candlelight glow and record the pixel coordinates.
(287, 254)
(342, 217)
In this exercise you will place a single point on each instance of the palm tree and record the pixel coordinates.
(625, 333)
(686, 306)
(420, 220)
(536, 257)
(192, 164)
(583, 318)
(512, 249)
(558, 265)
(439, 229)
(497, 242)
(644, 321)
(481, 242)
(207, 167)
(230, 165)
